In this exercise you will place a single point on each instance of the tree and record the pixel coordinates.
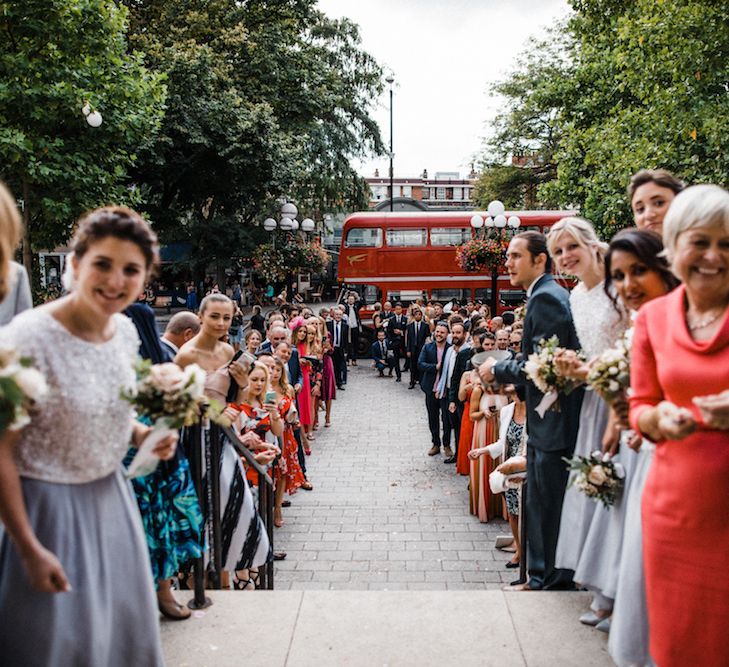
(519, 154)
(54, 57)
(649, 89)
(266, 99)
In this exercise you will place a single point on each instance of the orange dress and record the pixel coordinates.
(484, 504)
(465, 439)
(685, 545)
(288, 467)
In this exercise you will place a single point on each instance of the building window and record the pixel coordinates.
(364, 238)
(458, 194)
(407, 190)
(467, 194)
(445, 236)
(440, 193)
(399, 238)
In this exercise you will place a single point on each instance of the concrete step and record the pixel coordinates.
(386, 629)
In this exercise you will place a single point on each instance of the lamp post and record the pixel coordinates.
(494, 226)
(288, 223)
(390, 80)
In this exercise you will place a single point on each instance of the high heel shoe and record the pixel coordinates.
(307, 451)
(243, 584)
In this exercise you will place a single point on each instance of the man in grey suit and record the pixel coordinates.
(552, 437)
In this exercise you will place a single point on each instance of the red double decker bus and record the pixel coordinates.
(409, 255)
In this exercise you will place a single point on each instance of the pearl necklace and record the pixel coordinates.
(704, 323)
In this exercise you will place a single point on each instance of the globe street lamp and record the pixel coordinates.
(494, 227)
(288, 223)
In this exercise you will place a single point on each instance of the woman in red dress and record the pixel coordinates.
(680, 401)
(304, 397)
(465, 438)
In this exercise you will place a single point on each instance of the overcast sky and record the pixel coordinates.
(443, 54)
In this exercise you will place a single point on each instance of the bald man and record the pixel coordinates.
(182, 327)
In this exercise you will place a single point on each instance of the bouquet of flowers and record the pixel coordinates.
(21, 385)
(541, 369)
(170, 397)
(598, 476)
(610, 374)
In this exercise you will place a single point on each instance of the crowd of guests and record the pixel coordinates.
(74, 553)
(661, 288)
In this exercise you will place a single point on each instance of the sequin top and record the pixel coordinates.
(81, 429)
(598, 324)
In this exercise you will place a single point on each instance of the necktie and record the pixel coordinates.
(382, 346)
(336, 335)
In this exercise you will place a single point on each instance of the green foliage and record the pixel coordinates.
(54, 56)
(265, 99)
(621, 86)
(649, 90)
(294, 255)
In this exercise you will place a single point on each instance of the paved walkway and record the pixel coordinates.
(383, 514)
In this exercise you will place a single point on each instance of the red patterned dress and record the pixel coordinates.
(288, 467)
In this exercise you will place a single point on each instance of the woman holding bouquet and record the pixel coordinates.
(576, 251)
(637, 273)
(680, 384)
(75, 576)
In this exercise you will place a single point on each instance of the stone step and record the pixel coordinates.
(386, 629)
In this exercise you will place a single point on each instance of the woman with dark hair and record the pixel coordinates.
(75, 576)
(635, 272)
(650, 193)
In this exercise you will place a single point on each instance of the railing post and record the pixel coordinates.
(213, 456)
(192, 442)
(523, 565)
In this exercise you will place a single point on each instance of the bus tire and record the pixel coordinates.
(364, 344)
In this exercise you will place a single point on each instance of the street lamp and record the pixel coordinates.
(390, 80)
(288, 223)
(494, 227)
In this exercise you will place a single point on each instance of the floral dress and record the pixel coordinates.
(288, 468)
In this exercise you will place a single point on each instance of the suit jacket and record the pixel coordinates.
(413, 343)
(427, 361)
(168, 348)
(295, 368)
(548, 314)
(357, 306)
(376, 351)
(462, 364)
(397, 341)
(338, 350)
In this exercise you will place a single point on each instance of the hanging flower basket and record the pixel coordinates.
(481, 254)
(293, 255)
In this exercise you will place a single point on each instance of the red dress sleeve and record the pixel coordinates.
(645, 386)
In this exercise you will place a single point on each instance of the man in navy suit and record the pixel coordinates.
(416, 334)
(430, 363)
(395, 327)
(381, 354)
(552, 437)
(182, 327)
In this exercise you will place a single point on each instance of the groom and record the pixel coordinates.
(552, 437)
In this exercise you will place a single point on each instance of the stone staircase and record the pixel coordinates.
(386, 629)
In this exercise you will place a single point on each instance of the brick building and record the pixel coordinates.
(445, 191)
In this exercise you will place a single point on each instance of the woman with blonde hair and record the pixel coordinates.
(15, 295)
(576, 251)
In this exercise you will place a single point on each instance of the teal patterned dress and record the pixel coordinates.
(171, 515)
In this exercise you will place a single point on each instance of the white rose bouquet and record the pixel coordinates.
(541, 369)
(21, 386)
(598, 476)
(170, 397)
(609, 374)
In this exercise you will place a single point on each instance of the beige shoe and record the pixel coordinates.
(433, 451)
(448, 452)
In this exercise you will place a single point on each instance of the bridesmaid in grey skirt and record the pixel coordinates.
(75, 578)
(636, 270)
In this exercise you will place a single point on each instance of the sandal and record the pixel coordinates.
(165, 608)
(243, 584)
(327, 424)
(307, 485)
(307, 451)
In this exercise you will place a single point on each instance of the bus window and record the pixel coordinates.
(447, 294)
(406, 237)
(483, 294)
(512, 297)
(370, 294)
(364, 238)
(449, 236)
(406, 296)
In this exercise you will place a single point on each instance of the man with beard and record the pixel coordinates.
(430, 363)
(448, 408)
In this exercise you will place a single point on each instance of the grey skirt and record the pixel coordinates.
(110, 617)
(577, 508)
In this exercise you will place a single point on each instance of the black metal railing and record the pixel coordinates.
(205, 470)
